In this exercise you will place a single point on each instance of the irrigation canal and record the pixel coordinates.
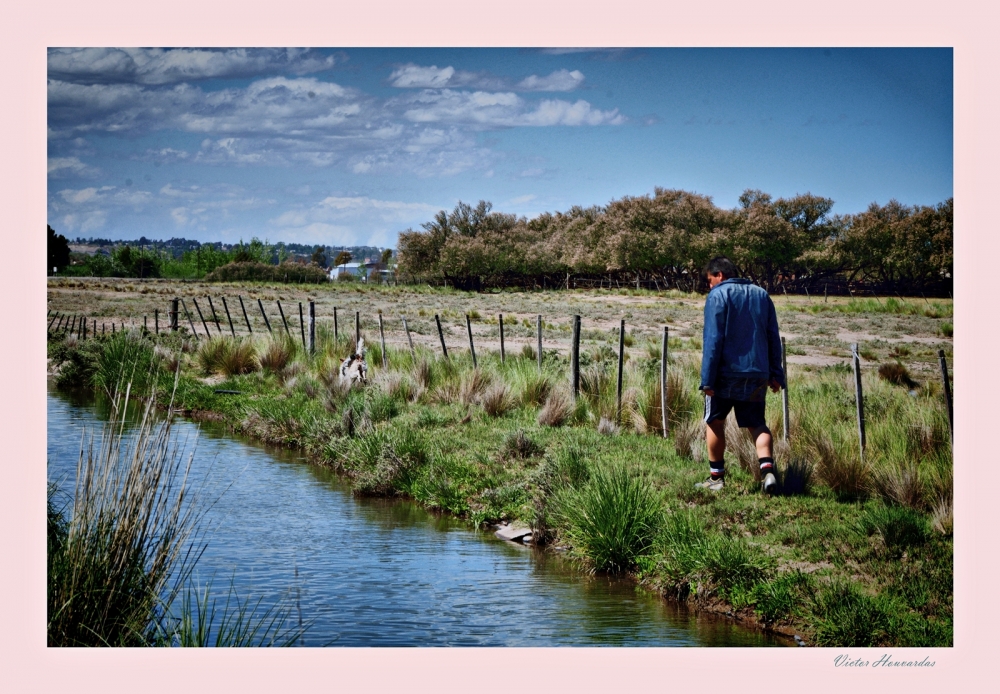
(375, 572)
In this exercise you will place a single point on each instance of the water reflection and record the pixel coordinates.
(376, 572)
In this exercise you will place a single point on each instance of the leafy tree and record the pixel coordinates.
(58, 246)
(343, 258)
(386, 256)
(319, 256)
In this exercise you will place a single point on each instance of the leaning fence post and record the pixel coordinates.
(245, 317)
(663, 382)
(83, 324)
(283, 321)
(784, 393)
(381, 335)
(539, 343)
(441, 335)
(264, 313)
(947, 393)
(302, 326)
(312, 327)
(156, 320)
(409, 339)
(190, 320)
(860, 397)
(228, 317)
(198, 309)
(357, 328)
(215, 317)
(54, 317)
(621, 366)
(472, 346)
(174, 319)
(503, 355)
(575, 373)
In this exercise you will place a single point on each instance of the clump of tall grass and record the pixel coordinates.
(496, 400)
(519, 445)
(689, 439)
(123, 544)
(277, 354)
(740, 443)
(124, 358)
(606, 427)
(613, 520)
(896, 373)
(557, 410)
(211, 353)
(384, 461)
(895, 527)
(846, 616)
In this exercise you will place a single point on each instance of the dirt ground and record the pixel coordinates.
(815, 337)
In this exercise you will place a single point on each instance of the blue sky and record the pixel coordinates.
(352, 146)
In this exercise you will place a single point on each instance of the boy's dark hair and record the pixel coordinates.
(721, 264)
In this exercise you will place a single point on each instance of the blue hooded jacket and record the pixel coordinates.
(741, 338)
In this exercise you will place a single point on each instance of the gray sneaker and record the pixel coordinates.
(770, 483)
(710, 484)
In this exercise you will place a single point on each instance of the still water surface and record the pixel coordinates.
(373, 572)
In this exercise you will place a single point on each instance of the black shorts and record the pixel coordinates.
(748, 414)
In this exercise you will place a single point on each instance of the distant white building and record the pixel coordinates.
(356, 269)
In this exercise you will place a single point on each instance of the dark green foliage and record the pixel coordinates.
(385, 461)
(58, 251)
(732, 563)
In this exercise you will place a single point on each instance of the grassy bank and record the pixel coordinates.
(851, 553)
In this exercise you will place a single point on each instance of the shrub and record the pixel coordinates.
(797, 477)
(613, 520)
(896, 373)
(733, 564)
(125, 358)
(261, 272)
(212, 353)
(239, 358)
(385, 461)
(536, 389)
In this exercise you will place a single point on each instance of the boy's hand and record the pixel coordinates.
(775, 386)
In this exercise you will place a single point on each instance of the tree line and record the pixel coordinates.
(666, 238)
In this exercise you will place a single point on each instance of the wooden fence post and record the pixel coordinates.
(302, 326)
(54, 317)
(283, 321)
(503, 354)
(441, 335)
(264, 313)
(197, 308)
(409, 339)
(947, 394)
(621, 366)
(859, 396)
(174, 318)
(336, 329)
(215, 317)
(575, 371)
(381, 335)
(145, 323)
(245, 317)
(83, 324)
(312, 327)
(539, 343)
(663, 381)
(156, 320)
(472, 346)
(357, 328)
(784, 392)
(228, 317)
(190, 320)
(95, 327)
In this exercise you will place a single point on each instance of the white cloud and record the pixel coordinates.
(77, 196)
(558, 81)
(410, 76)
(504, 109)
(521, 199)
(69, 166)
(157, 66)
(423, 77)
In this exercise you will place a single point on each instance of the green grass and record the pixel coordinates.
(507, 442)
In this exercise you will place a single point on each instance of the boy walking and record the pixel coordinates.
(741, 357)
